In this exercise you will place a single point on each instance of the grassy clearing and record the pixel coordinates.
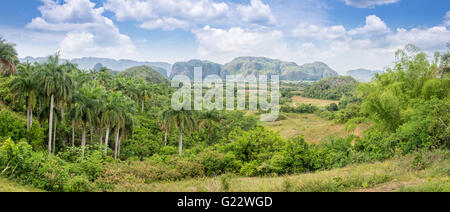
(434, 175)
(314, 102)
(314, 128)
(430, 185)
(9, 186)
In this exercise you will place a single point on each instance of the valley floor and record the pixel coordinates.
(401, 174)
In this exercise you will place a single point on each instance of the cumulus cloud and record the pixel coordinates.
(167, 14)
(256, 12)
(427, 39)
(368, 3)
(324, 33)
(189, 14)
(373, 44)
(165, 24)
(374, 26)
(226, 44)
(87, 30)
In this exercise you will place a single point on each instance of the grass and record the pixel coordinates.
(379, 176)
(314, 128)
(10, 186)
(314, 102)
(431, 185)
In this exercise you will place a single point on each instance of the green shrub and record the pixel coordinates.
(78, 184)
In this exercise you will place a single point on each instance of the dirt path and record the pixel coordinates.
(391, 186)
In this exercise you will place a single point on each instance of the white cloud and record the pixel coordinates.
(226, 44)
(316, 32)
(427, 39)
(256, 12)
(372, 46)
(190, 14)
(87, 30)
(167, 14)
(374, 26)
(165, 24)
(368, 3)
(447, 19)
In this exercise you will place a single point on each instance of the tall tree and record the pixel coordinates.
(85, 110)
(55, 84)
(208, 119)
(8, 58)
(24, 87)
(111, 114)
(185, 120)
(164, 124)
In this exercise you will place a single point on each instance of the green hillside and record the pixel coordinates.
(187, 68)
(286, 70)
(332, 88)
(147, 73)
(257, 65)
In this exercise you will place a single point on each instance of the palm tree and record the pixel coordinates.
(8, 58)
(144, 94)
(111, 114)
(164, 124)
(24, 87)
(126, 128)
(55, 83)
(184, 120)
(86, 103)
(208, 119)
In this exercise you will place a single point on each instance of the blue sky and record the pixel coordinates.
(346, 34)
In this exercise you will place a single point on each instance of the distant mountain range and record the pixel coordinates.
(256, 65)
(241, 65)
(363, 75)
(116, 65)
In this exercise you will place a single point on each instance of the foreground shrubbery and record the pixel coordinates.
(48, 172)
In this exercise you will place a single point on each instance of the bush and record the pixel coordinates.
(12, 127)
(79, 184)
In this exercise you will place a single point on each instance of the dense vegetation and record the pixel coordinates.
(94, 131)
(146, 73)
(332, 88)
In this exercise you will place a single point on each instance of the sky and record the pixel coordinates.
(345, 34)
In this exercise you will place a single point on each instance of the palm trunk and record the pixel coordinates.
(107, 137)
(92, 134)
(31, 116)
(116, 148)
(101, 135)
(54, 136)
(83, 141)
(180, 145)
(28, 113)
(62, 112)
(50, 123)
(165, 137)
(142, 108)
(73, 132)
